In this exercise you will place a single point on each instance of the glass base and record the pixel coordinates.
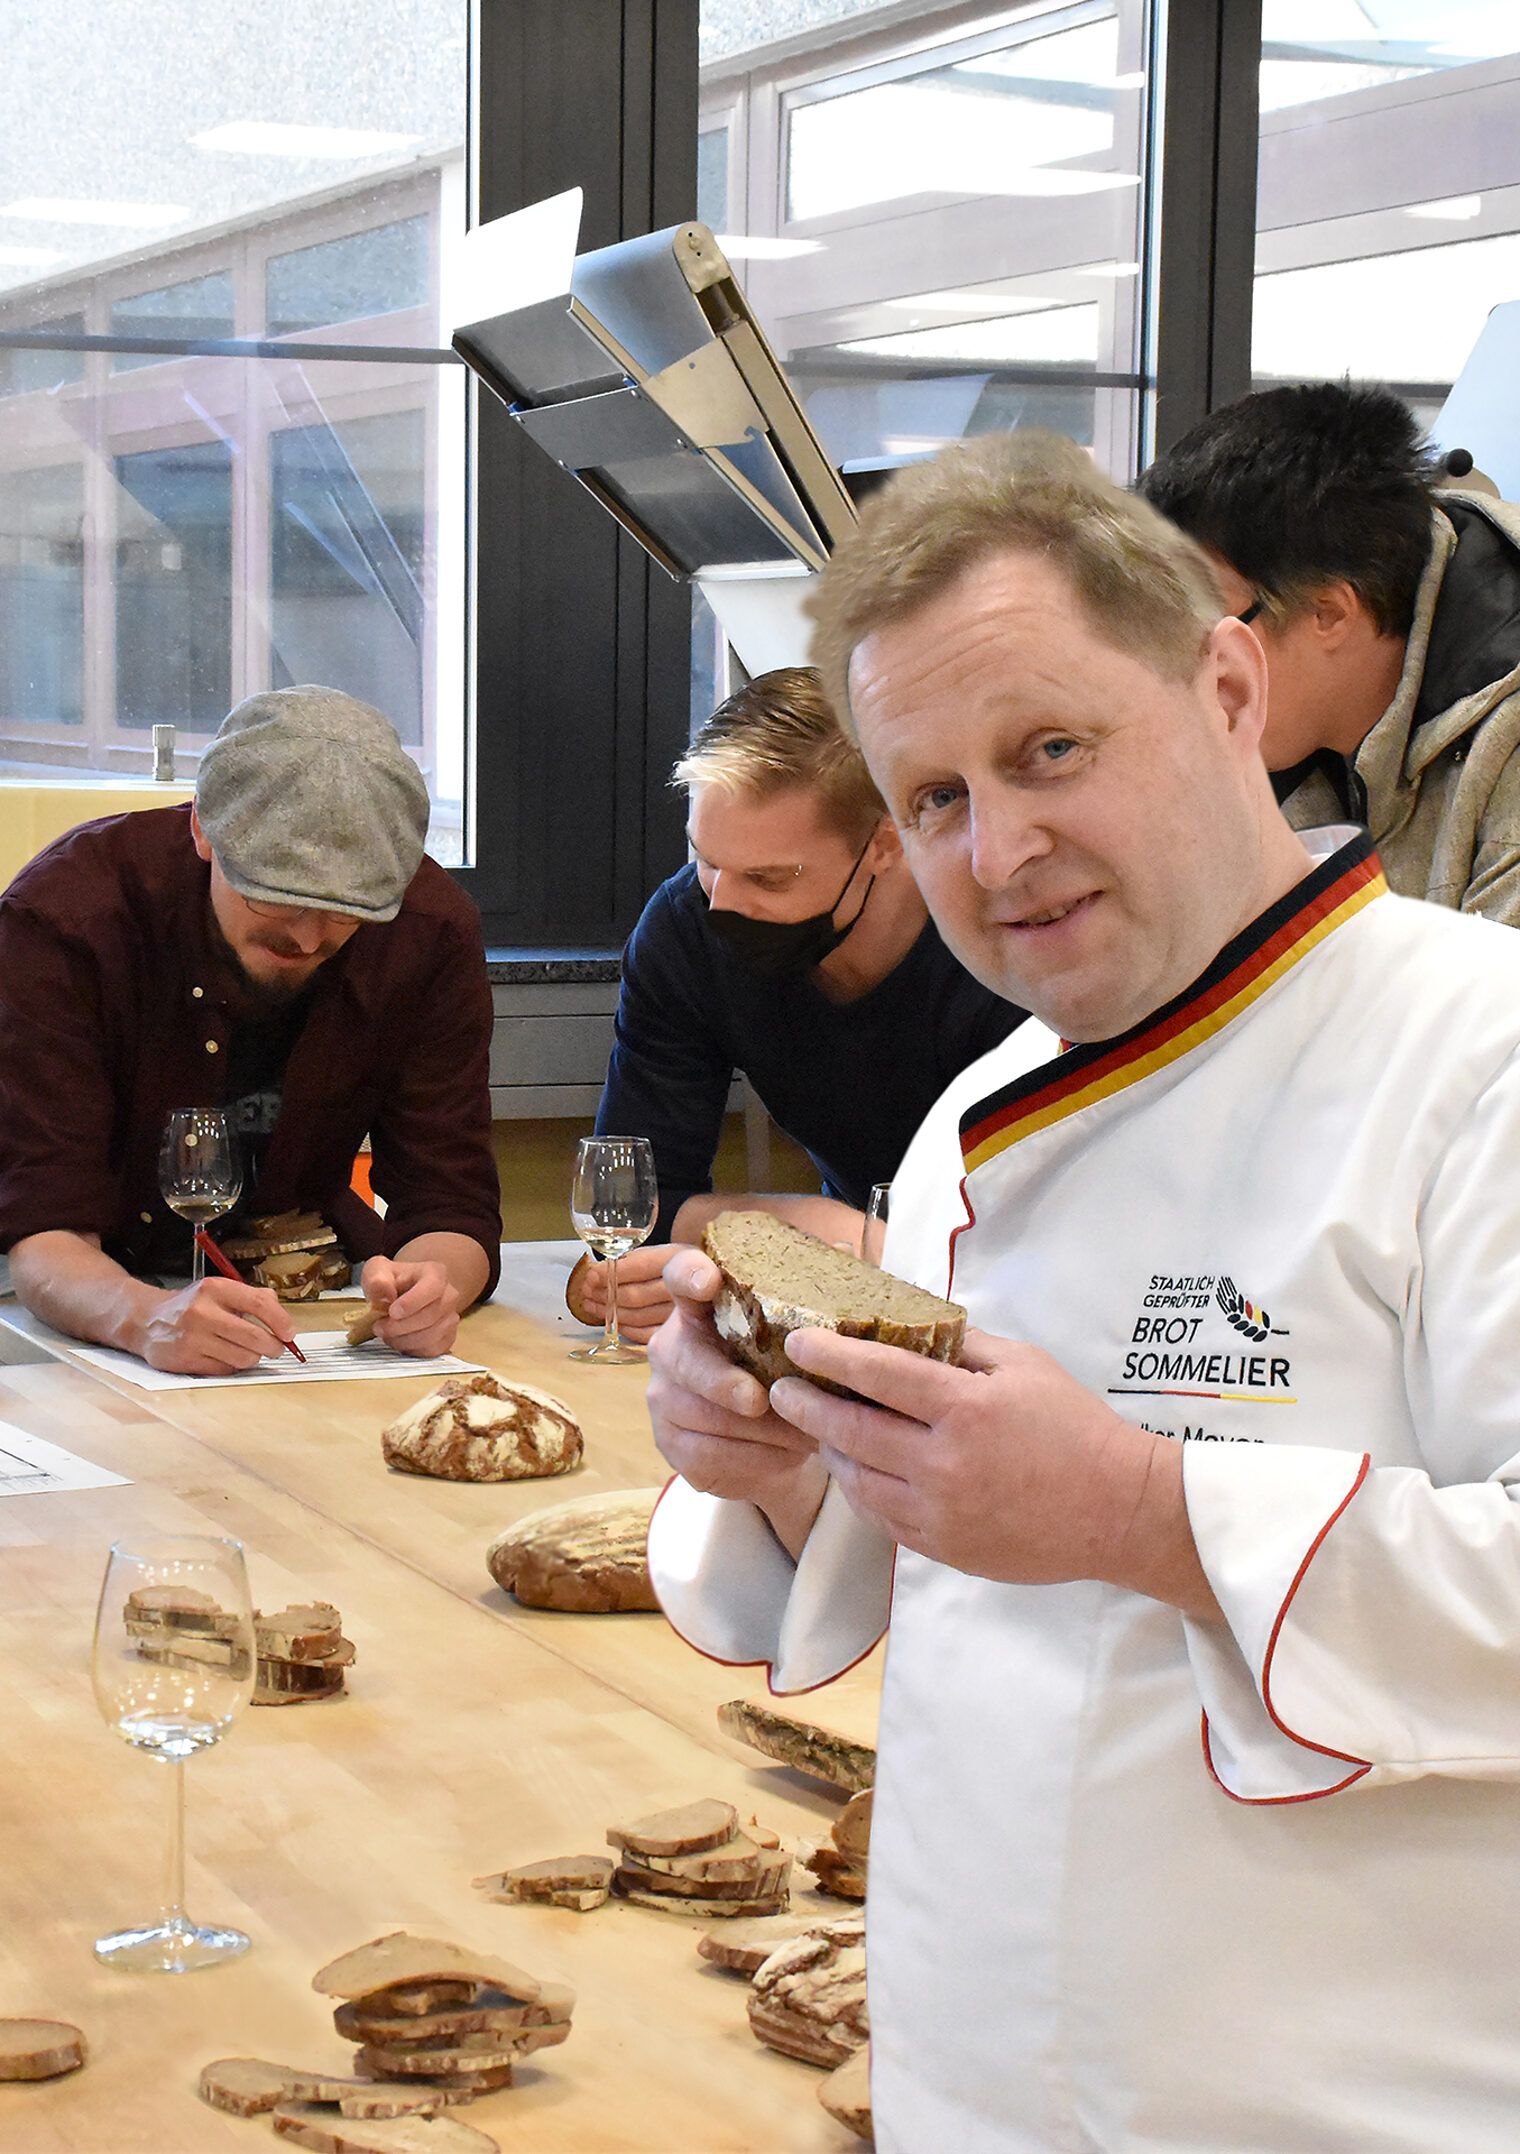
(603, 1352)
(170, 1948)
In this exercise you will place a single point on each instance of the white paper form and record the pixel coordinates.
(31, 1466)
(329, 1360)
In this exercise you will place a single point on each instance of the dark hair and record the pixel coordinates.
(1304, 486)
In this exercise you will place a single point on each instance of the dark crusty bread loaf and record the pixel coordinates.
(777, 1280)
(586, 1556)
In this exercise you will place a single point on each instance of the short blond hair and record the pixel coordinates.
(1145, 587)
(779, 731)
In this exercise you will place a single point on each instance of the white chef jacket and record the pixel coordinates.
(1144, 1883)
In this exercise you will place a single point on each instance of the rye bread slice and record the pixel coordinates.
(312, 2126)
(809, 1998)
(846, 2094)
(777, 1280)
(245, 2086)
(248, 2087)
(689, 1830)
(458, 2064)
(739, 1860)
(763, 1883)
(312, 1630)
(39, 2048)
(491, 2010)
(578, 1881)
(842, 1875)
(746, 1946)
(670, 1903)
(420, 1965)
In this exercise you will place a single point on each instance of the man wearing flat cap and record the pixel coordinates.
(281, 949)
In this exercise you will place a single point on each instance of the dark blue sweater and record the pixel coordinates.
(849, 1081)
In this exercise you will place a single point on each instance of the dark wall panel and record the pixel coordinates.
(583, 646)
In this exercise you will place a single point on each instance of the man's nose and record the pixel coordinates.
(1005, 838)
(307, 931)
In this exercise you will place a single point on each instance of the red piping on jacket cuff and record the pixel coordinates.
(1345, 1757)
(803, 1690)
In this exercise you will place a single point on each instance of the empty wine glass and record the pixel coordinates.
(613, 1201)
(199, 1171)
(173, 1666)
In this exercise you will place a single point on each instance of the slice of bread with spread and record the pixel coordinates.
(777, 1280)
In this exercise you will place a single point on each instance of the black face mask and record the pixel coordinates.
(779, 948)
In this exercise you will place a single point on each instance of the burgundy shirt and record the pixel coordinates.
(115, 1009)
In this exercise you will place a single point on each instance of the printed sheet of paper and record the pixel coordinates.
(329, 1360)
(31, 1466)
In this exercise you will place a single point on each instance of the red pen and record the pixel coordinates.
(229, 1270)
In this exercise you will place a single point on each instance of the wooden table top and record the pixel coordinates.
(476, 1734)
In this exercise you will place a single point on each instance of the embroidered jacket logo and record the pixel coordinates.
(1254, 1323)
(1172, 1355)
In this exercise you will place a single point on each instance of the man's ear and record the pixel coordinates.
(1335, 612)
(202, 844)
(885, 847)
(1240, 679)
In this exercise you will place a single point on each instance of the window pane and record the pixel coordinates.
(1388, 215)
(22, 372)
(954, 239)
(977, 126)
(201, 307)
(344, 280)
(228, 524)
(41, 595)
(174, 587)
(346, 534)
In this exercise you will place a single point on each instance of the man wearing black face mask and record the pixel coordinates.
(795, 949)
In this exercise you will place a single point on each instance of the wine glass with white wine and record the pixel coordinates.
(613, 1201)
(173, 1666)
(199, 1171)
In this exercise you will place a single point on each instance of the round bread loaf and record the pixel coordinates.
(477, 1428)
(586, 1557)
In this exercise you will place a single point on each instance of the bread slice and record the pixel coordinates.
(777, 1280)
(578, 1881)
(745, 1946)
(363, 2021)
(39, 2048)
(846, 2094)
(312, 2126)
(400, 1961)
(686, 1831)
(575, 1293)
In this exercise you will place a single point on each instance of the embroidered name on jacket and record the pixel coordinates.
(1181, 1345)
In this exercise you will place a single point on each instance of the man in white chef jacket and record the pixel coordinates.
(1198, 1821)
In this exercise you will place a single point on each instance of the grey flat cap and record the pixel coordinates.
(307, 797)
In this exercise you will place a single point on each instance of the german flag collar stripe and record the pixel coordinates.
(1242, 972)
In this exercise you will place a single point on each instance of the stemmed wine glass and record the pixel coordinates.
(199, 1171)
(613, 1201)
(173, 1666)
(873, 1232)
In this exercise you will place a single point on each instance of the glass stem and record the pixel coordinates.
(197, 1262)
(174, 1868)
(610, 1340)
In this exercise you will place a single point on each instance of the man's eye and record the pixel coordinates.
(933, 806)
(1055, 751)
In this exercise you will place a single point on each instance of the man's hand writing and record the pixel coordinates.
(213, 1328)
(711, 1419)
(1005, 1467)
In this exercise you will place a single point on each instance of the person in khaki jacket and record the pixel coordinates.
(1389, 612)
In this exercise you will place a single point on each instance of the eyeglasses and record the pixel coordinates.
(1251, 612)
(288, 913)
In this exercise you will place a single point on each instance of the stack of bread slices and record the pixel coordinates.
(295, 1253)
(302, 1654)
(426, 2012)
(840, 1863)
(697, 1860)
(185, 1628)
